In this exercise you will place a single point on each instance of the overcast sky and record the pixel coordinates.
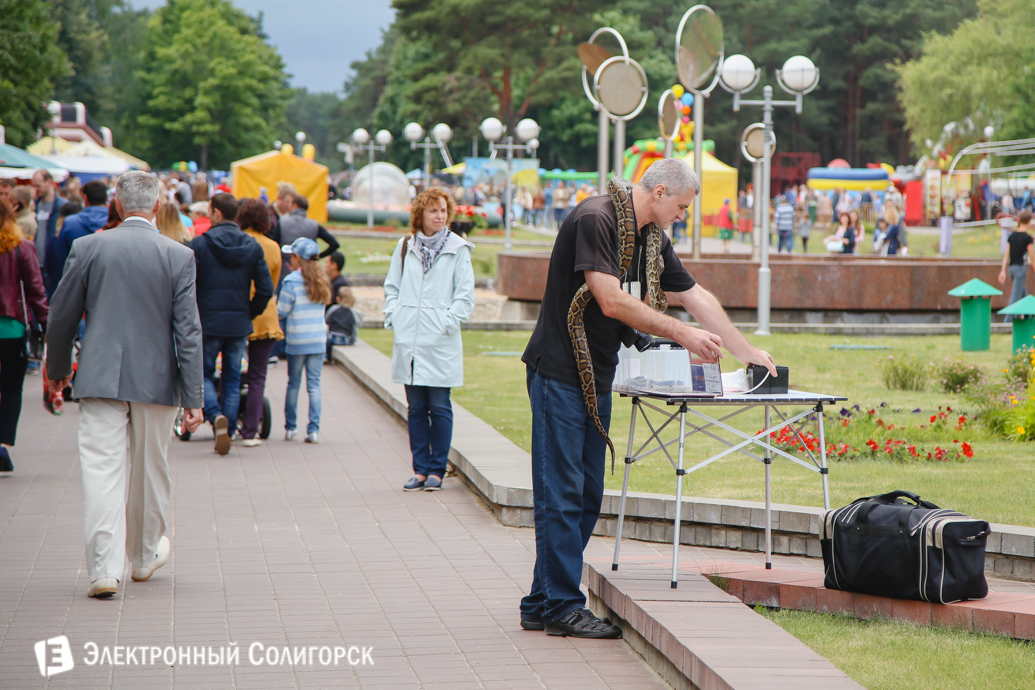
(318, 39)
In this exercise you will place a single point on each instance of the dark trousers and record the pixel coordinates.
(567, 490)
(12, 376)
(258, 360)
(430, 419)
(225, 400)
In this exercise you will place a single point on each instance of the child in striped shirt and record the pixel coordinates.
(303, 295)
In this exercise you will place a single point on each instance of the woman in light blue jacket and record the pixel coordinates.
(429, 292)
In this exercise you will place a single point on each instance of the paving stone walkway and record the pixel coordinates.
(293, 545)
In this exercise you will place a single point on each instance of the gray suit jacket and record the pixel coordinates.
(143, 333)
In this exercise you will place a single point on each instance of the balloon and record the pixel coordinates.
(691, 97)
(687, 99)
(685, 110)
(677, 91)
(686, 119)
(192, 166)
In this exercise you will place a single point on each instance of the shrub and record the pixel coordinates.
(992, 401)
(955, 375)
(1020, 366)
(1020, 421)
(907, 373)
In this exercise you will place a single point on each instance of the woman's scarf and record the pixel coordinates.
(428, 248)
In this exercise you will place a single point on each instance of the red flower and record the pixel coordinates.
(912, 451)
(934, 418)
(968, 452)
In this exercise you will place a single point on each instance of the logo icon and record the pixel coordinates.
(60, 655)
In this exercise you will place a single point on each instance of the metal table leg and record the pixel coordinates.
(680, 472)
(823, 471)
(625, 481)
(768, 498)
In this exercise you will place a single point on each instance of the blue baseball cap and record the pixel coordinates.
(304, 247)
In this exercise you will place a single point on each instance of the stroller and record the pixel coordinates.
(265, 425)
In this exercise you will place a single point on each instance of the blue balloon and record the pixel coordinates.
(687, 99)
(192, 166)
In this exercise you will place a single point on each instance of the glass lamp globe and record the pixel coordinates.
(299, 137)
(361, 136)
(491, 128)
(442, 132)
(527, 129)
(799, 73)
(413, 132)
(989, 131)
(533, 144)
(383, 137)
(277, 144)
(738, 72)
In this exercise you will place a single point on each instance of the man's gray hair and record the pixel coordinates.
(674, 174)
(138, 191)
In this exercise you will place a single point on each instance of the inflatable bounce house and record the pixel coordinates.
(718, 180)
(839, 175)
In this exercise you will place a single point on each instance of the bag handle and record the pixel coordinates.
(406, 242)
(889, 499)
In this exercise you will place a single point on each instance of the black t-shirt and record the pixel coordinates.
(850, 236)
(1018, 241)
(338, 282)
(588, 241)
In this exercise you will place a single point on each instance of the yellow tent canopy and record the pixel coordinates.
(48, 146)
(269, 169)
(718, 183)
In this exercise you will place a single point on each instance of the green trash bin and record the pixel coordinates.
(975, 314)
(1023, 312)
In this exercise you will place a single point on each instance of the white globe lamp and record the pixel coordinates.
(491, 129)
(799, 74)
(442, 132)
(360, 136)
(383, 137)
(527, 129)
(300, 137)
(738, 71)
(413, 132)
(989, 132)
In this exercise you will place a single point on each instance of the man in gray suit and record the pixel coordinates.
(140, 361)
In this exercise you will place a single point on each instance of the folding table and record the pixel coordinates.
(728, 406)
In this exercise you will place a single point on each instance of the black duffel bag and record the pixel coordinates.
(909, 549)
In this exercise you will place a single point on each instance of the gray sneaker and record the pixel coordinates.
(289, 435)
(312, 438)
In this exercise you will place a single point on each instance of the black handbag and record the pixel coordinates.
(895, 545)
(34, 340)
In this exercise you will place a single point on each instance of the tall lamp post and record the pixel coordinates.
(381, 141)
(798, 77)
(528, 132)
(437, 138)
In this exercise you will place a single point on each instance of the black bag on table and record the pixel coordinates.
(908, 549)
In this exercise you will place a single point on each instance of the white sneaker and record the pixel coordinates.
(251, 442)
(103, 587)
(312, 438)
(289, 435)
(143, 574)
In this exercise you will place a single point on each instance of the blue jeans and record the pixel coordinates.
(1019, 287)
(785, 240)
(227, 400)
(567, 489)
(313, 365)
(430, 419)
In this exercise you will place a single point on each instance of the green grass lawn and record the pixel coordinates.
(981, 242)
(373, 256)
(884, 655)
(516, 233)
(998, 484)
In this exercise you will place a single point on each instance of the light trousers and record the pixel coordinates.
(124, 496)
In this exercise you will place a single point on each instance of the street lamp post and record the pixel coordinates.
(798, 77)
(437, 138)
(528, 132)
(381, 141)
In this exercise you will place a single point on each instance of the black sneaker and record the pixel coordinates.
(532, 623)
(582, 623)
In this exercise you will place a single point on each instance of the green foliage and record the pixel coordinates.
(1019, 116)
(30, 62)
(904, 373)
(314, 114)
(969, 73)
(1020, 367)
(214, 89)
(955, 375)
(87, 46)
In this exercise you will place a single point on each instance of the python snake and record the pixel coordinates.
(621, 196)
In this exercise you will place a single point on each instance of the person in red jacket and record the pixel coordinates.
(19, 271)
